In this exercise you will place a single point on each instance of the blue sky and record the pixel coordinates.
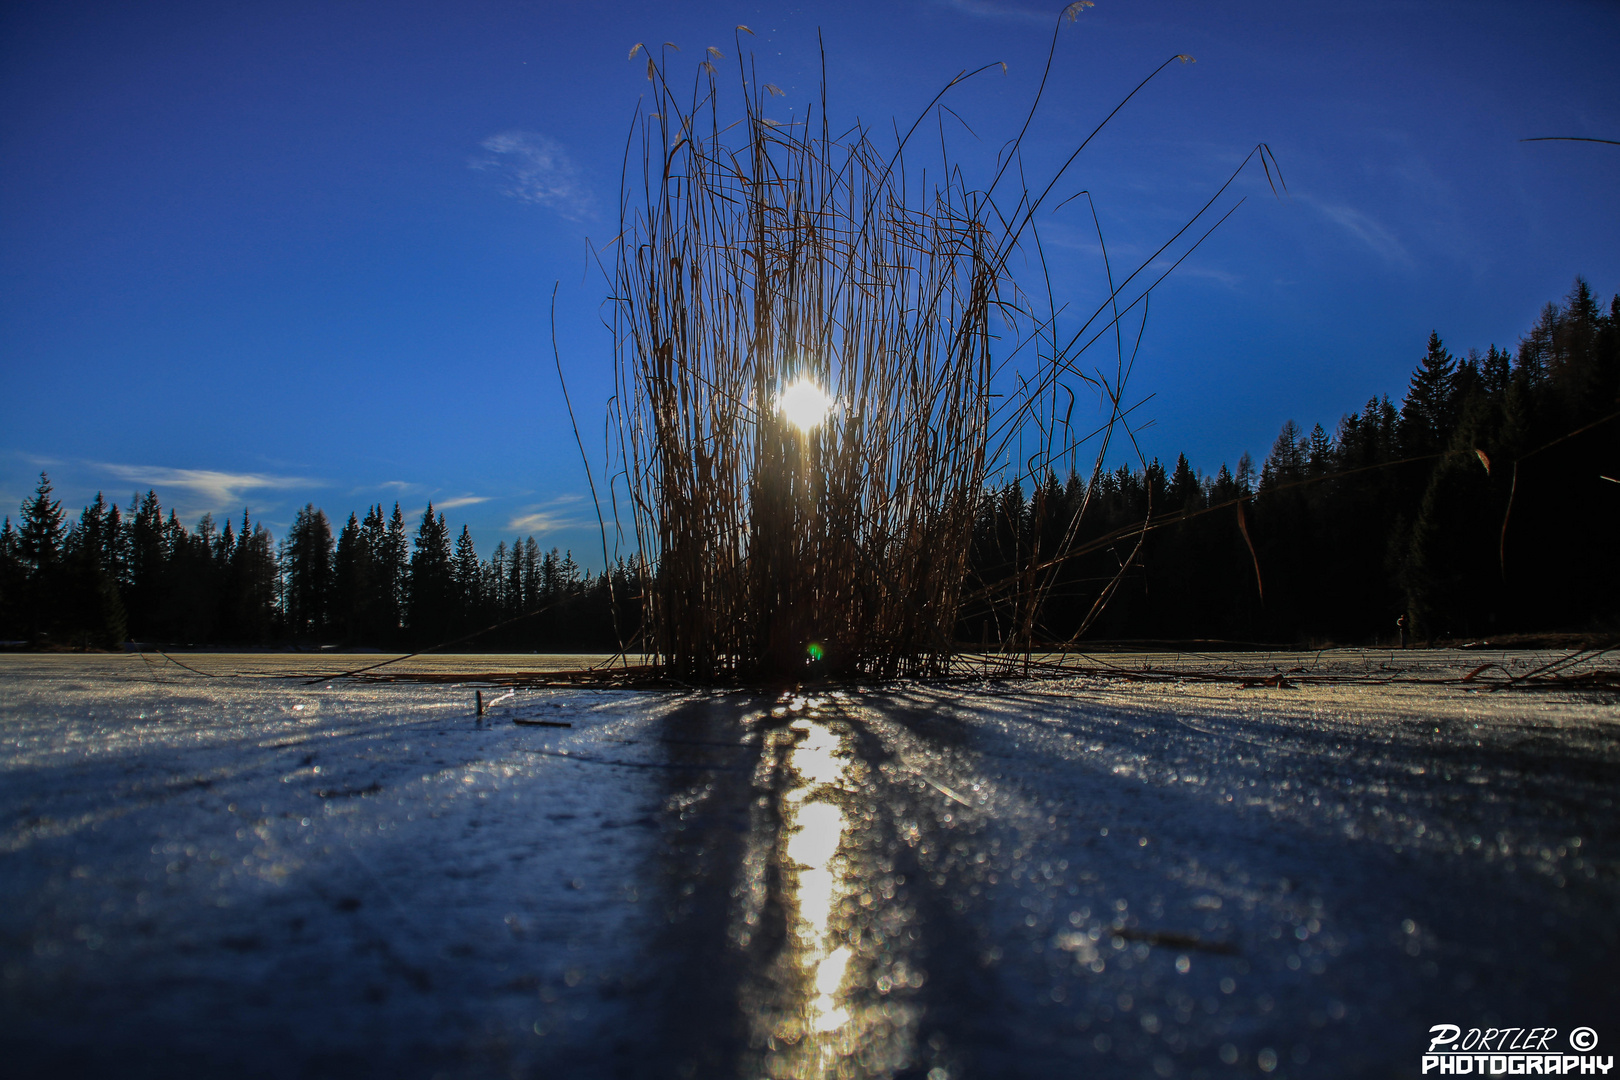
(259, 255)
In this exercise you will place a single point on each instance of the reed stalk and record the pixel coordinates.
(754, 254)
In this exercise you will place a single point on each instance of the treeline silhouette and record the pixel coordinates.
(1486, 502)
(114, 575)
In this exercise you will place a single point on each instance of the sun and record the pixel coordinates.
(804, 404)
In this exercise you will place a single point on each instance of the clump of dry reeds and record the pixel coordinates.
(754, 254)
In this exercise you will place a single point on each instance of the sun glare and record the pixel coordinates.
(803, 404)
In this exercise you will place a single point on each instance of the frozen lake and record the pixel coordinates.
(228, 871)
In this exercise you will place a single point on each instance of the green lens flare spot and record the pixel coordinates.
(816, 652)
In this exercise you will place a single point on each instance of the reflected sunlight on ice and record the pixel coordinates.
(815, 830)
(834, 1008)
(809, 1028)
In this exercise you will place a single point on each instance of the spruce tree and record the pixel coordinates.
(432, 581)
(1576, 362)
(1428, 412)
(1245, 478)
(1319, 454)
(379, 593)
(1536, 349)
(253, 581)
(494, 588)
(351, 572)
(514, 580)
(13, 576)
(1496, 371)
(467, 574)
(1184, 487)
(42, 530)
(1467, 384)
(117, 553)
(148, 563)
(497, 578)
(92, 611)
(394, 569)
(533, 595)
(39, 546)
(225, 579)
(307, 572)
(190, 593)
(550, 577)
(1286, 464)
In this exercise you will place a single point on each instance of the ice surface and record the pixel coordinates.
(221, 872)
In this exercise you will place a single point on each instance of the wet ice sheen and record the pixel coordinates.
(250, 875)
(1053, 879)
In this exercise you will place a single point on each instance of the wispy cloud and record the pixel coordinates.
(1192, 269)
(536, 169)
(1370, 232)
(219, 489)
(550, 516)
(462, 500)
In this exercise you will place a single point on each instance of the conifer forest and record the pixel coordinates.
(115, 575)
(1485, 502)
